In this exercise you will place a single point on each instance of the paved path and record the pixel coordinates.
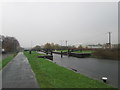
(18, 74)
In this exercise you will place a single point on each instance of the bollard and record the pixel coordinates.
(30, 52)
(68, 52)
(47, 52)
(61, 54)
(51, 53)
(104, 79)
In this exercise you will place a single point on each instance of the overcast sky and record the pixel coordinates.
(76, 22)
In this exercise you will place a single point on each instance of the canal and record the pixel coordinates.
(91, 67)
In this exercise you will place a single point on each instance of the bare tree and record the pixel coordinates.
(37, 48)
(10, 44)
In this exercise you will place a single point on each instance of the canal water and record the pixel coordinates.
(91, 67)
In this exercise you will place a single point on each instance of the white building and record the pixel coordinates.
(95, 46)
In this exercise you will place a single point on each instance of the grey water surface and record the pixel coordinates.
(91, 67)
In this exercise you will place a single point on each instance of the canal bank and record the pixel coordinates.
(91, 67)
(74, 54)
(51, 75)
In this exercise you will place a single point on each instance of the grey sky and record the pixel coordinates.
(77, 22)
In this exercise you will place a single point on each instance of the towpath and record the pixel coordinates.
(18, 74)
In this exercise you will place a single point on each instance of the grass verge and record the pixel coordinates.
(5, 61)
(86, 51)
(83, 51)
(62, 50)
(51, 75)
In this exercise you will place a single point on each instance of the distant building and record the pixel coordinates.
(104, 46)
(95, 46)
(107, 45)
(114, 45)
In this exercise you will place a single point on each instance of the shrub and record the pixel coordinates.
(107, 53)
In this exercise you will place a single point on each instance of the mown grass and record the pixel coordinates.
(51, 75)
(83, 51)
(5, 61)
(62, 50)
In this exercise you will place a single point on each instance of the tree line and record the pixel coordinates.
(10, 44)
(54, 46)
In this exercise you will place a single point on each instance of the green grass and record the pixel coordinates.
(84, 51)
(5, 61)
(62, 50)
(51, 75)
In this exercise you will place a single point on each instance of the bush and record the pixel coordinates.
(107, 53)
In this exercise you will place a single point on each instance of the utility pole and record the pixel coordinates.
(61, 44)
(30, 51)
(66, 43)
(109, 38)
(14, 45)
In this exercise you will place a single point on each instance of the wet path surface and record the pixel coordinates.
(18, 74)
